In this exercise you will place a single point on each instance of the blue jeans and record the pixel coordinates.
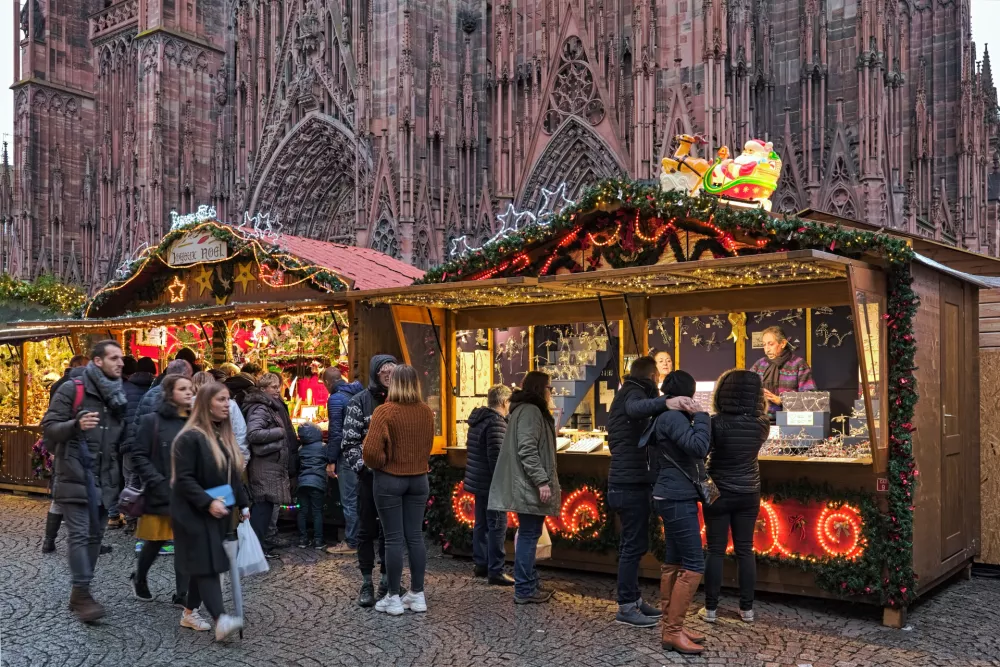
(401, 501)
(311, 507)
(682, 534)
(347, 480)
(525, 573)
(489, 536)
(632, 506)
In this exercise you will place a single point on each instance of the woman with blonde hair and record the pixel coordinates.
(239, 424)
(397, 448)
(206, 457)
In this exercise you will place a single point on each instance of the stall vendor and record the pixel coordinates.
(781, 370)
(664, 364)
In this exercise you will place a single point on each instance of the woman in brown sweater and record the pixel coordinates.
(397, 448)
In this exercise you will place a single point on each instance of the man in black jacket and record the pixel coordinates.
(86, 423)
(487, 428)
(630, 482)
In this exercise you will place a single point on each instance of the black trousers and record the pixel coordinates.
(260, 518)
(150, 550)
(737, 512)
(208, 590)
(369, 526)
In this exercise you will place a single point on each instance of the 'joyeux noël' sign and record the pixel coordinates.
(196, 247)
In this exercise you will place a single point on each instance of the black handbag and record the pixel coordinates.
(708, 492)
(132, 501)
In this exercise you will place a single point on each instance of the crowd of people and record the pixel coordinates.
(185, 432)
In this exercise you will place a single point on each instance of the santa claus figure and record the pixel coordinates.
(754, 153)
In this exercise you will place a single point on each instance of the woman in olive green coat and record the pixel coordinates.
(526, 481)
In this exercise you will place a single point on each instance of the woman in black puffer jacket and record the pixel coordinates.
(739, 428)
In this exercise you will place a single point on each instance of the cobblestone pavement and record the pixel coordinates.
(303, 613)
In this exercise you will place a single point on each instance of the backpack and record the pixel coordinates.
(40, 444)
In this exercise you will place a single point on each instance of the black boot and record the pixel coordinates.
(366, 596)
(52, 523)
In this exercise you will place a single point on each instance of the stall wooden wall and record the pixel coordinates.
(946, 521)
(372, 332)
(989, 423)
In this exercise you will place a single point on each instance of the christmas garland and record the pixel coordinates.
(45, 291)
(240, 245)
(627, 223)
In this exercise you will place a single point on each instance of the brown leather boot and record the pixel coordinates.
(672, 635)
(668, 576)
(83, 604)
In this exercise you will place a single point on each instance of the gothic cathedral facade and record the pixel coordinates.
(402, 124)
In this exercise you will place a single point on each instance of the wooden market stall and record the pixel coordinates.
(627, 269)
(231, 293)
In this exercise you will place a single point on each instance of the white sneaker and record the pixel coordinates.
(193, 620)
(708, 615)
(390, 604)
(747, 615)
(414, 601)
(226, 626)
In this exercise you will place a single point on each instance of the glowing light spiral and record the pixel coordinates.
(463, 504)
(833, 522)
(581, 510)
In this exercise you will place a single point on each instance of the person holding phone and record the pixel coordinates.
(206, 458)
(85, 422)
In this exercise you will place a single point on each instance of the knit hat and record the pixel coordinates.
(679, 383)
(310, 433)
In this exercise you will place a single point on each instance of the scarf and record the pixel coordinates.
(110, 391)
(773, 371)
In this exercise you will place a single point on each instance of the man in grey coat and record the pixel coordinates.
(85, 423)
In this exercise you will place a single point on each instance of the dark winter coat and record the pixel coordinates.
(686, 440)
(487, 429)
(739, 428)
(67, 374)
(634, 404)
(198, 535)
(336, 406)
(151, 455)
(312, 457)
(137, 386)
(273, 447)
(148, 405)
(61, 430)
(238, 386)
(358, 415)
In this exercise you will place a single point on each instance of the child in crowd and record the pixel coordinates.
(312, 484)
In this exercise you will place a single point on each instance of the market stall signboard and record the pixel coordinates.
(197, 247)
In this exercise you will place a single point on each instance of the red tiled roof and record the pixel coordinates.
(369, 269)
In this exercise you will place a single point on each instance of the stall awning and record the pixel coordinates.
(367, 268)
(978, 281)
(797, 266)
(17, 335)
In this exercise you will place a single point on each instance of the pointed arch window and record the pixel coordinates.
(384, 239)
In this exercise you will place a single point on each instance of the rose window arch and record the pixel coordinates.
(575, 91)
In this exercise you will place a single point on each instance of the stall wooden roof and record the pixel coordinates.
(363, 267)
(674, 278)
(953, 257)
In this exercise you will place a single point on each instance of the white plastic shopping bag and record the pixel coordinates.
(250, 557)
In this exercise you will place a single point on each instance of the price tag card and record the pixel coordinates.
(799, 418)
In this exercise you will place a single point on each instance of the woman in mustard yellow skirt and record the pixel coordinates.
(151, 461)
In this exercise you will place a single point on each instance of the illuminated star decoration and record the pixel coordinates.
(260, 225)
(244, 276)
(177, 289)
(221, 300)
(203, 280)
(512, 220)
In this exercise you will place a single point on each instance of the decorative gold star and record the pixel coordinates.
(203, 280)
(221, 300)
(244, 276)
(177, 289)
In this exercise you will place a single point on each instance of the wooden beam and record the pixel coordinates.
(820, 293)
(563, 312)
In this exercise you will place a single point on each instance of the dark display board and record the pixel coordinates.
(835, 357)
(707, 350)
(511, 355)
(660, 335)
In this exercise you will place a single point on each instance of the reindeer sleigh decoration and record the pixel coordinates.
(749, 179)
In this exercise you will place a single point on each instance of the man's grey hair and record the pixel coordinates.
(498, 395)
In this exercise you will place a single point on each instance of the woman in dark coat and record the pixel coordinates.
(273, 447)
(151, 462)
(681, 442)
(205, 456)
(739, 428)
